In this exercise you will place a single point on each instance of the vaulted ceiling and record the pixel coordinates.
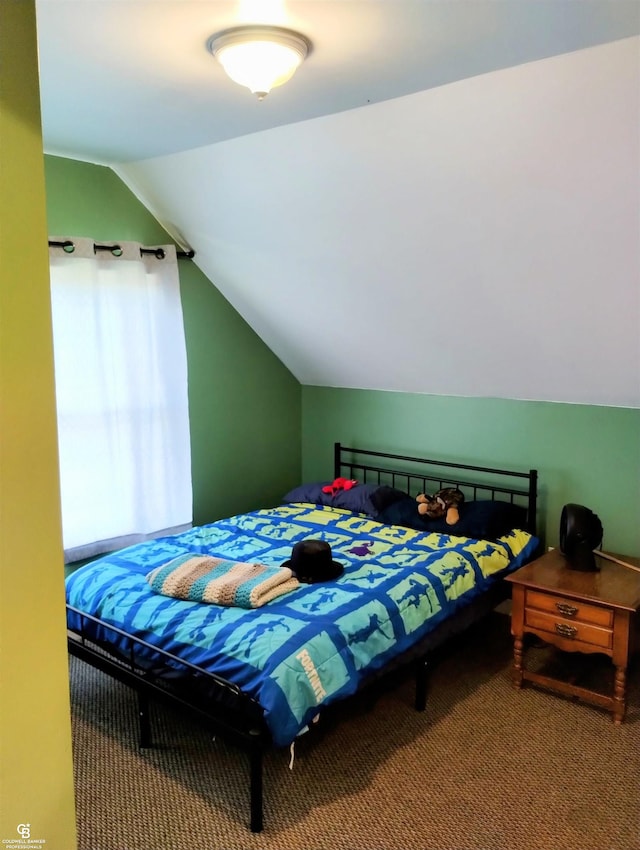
(443, 199)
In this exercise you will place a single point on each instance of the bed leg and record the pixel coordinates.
(422, 670)
(144, 724)
(255, 790)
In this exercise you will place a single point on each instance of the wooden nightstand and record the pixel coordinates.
(576, 612)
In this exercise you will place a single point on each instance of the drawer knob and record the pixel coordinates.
(567, 610)
(566, 631)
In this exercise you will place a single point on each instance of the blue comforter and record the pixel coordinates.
(314, 645)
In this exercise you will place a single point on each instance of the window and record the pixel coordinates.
(121, 391)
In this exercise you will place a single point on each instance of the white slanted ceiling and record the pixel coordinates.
(477, 239)
(125, 80)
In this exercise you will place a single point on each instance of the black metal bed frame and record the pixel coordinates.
(429, 475)
(225, 708)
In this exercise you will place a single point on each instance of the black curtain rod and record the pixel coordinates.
(116, 250)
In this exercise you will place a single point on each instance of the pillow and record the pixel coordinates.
(362, 498)
(356, 499)
(480, 520)
(308, 493)
(384, 495)
(403, 512)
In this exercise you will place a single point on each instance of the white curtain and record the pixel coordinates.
(121, 390)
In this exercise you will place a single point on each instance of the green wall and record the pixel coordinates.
(584, 454)
(36, 771)
(251, 422)
(244, 405)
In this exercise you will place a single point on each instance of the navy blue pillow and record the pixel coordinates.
(308, 493)
(385, 495)
(356, 499)
(479, 520)
(367, 499)
(403, 512)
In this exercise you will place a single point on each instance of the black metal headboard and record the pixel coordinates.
(416, 475)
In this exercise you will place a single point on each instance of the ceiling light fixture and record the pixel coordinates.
(259, 57)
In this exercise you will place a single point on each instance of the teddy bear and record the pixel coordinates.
(445, 503)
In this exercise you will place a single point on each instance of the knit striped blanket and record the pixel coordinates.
(203, 578)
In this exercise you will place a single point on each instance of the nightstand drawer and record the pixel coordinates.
(571, 630)
(571, 609)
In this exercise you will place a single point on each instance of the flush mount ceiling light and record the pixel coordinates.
(259, 57)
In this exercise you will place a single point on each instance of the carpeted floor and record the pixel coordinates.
(486, 767)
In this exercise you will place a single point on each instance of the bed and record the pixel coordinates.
(262, 672)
